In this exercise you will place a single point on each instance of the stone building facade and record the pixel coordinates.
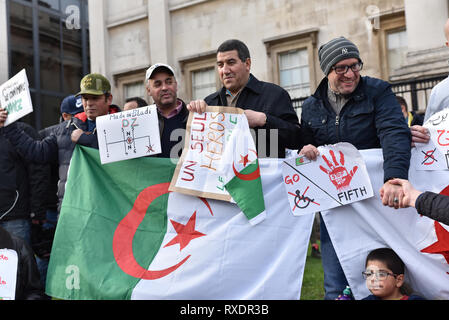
(399, 40)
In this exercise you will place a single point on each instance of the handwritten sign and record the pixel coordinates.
(15, 97)
(213, 140)
(434, 155)
(128, 135)
(338, 177)
(8, 274)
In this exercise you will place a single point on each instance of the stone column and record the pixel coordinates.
(4, 67)
(427, 56)
(98, 34)
(160, 32)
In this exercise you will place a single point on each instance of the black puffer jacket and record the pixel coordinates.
(28, 285)
(23, 184)
(57, 146)
(434, 206)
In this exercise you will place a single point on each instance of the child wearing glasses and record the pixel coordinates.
(384, 275)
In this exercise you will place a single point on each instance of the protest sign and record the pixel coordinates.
(128, 135)
(434, 155)
(8, 274)
(219, 161)
(338, 177)
(15, 97)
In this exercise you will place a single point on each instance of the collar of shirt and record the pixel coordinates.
(175, 112)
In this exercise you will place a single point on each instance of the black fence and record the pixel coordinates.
(415, 92)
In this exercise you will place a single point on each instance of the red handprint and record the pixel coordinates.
(338, 174)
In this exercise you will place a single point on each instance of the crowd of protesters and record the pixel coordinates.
(346, 107)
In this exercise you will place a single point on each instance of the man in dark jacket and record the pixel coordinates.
(268, 107)
(162, 86)
(23, 186)
(81, 129)
(362, 111)
(28, 285)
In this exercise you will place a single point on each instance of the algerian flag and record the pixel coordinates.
(122, 235)
(219, 161)
(422, 243)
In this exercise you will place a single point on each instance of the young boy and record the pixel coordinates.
(384, 276)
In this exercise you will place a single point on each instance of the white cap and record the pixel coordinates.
(156, 66)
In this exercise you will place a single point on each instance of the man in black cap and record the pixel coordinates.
(71, 106)
(362, 111)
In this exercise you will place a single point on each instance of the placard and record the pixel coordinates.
(338, 177)
(218, 143)
(8, 274)
(434, 155)
(15, 97)
(129, 134)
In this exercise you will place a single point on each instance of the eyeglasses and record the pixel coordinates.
(380, 275)
(356, 67)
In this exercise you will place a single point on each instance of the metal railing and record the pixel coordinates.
(415, 92)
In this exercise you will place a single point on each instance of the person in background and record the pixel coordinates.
(134, 103)
(59, 145)
(411, 117)
(384, 275)
(23, 186)
(28, 284)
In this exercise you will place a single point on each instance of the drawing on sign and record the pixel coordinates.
(338, 177)
(129, 138)
(429, 157)
(338, 174)
(301, 201)
(128, 135)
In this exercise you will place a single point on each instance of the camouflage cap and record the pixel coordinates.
(94, 84)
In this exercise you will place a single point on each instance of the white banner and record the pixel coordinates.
(422, 243)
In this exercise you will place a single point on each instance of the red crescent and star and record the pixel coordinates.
(122, 244)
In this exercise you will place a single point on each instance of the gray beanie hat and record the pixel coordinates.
(336, 50)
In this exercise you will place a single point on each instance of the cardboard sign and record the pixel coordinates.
(213, 141)
(8, 274)
(434, 155)
(128, 135)
(15, 97)
(338, 177)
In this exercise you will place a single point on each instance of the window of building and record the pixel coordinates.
(292, 63)
(294, 74)
(392, 35)
(199, 75)
(396, 44)
(50, 39)
(134, 89)
(203, 83)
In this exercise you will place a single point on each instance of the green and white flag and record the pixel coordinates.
(122, 235)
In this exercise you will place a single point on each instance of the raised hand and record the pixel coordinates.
(338, 174)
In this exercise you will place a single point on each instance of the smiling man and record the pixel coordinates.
(362, 111)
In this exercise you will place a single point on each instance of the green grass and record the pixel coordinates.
(312, 283)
